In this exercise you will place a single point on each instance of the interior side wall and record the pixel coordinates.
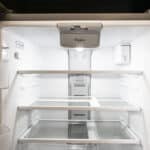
(11, 99)
(143, 45)
(135, 89)
(139, 88)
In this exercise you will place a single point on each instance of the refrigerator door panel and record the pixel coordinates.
(4, 74)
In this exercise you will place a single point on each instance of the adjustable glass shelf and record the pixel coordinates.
(79, 132)
(96, 72)
(79, 103)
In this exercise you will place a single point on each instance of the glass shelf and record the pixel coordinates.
(100, 72)
(79, 132)
(79, 103)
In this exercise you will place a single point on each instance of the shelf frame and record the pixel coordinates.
(103, 72)
(78, 141)
(98, 108)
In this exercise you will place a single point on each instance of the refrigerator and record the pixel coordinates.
(75, 81)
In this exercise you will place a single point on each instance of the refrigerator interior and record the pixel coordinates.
(41, 63)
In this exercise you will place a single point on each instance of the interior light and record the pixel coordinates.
(79, 49)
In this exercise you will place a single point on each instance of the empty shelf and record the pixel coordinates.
(117, 105)
(79, 132)
(68, 103)
(81, 103)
